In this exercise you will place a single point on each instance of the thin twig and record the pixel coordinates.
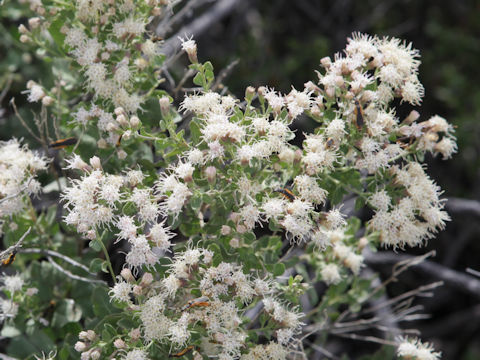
(73, 276)
(58, 255)
(455, 279)
(368, 338)
(18, 245)
(165, 26)
(322, 350)
(217, 12)
(6, 87)
(224, 73)
(12, 103)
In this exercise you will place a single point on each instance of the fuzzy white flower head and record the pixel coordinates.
(331, 274)
(8, 309)
(380, 200)
(335, 219)
(297, 228)
(276, 101)
(188, 45)
(273, 208)
(413, 348)
(136, 354)
(13, 283)
(195, 156)
(121, 292)
(336, 129)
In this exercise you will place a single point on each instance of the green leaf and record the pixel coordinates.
(359, 203)
(208, 66)
(199, 79)
(95, 245)
(96, 265)
(278, 269)
(54, 30)
(101, 302)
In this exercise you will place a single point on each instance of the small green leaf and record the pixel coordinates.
(278, 269)
(199, 79)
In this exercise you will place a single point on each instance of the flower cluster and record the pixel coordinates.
(412, 348)
(169, 312)
(18, 168)
(98, 200)
(412, 218)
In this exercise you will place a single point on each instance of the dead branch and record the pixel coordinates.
(217, 12)
(463, 206)
(5, 253)
(455, 279)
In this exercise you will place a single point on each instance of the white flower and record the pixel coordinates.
(330, 274)
(13, 283)
(121, 292)
(136, 354)
(413, 348)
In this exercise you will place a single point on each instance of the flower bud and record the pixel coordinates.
(330, 91)
(135, 334)
(249, 93)
(225, 230)
(91, 335)
(91, 235)
(24, 39)
(412, 117)
(234, 243)
(164, 102)
(96, 163)
(134, 121)
(48, 100)
(95, 354)
(362, 243)
(34, 22)
(147, 279)
(119, 344)
(137, 290)
(122, 120)
(126, 273)
(298, 155)
(80, 346)
(119, 111)
(211, 173)
(127, 135)
(241, 229)
(82, 335)
(326, 62)
(102, 144)
(22, 29)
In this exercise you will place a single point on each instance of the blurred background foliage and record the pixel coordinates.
(279, 44)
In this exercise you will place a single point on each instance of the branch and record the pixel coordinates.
(165, 26)
(463, 206)
(13, 248)
(58, 255)
(73, 276)
(456, 279)
(217, 12)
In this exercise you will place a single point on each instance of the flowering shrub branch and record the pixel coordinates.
(208, 198)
